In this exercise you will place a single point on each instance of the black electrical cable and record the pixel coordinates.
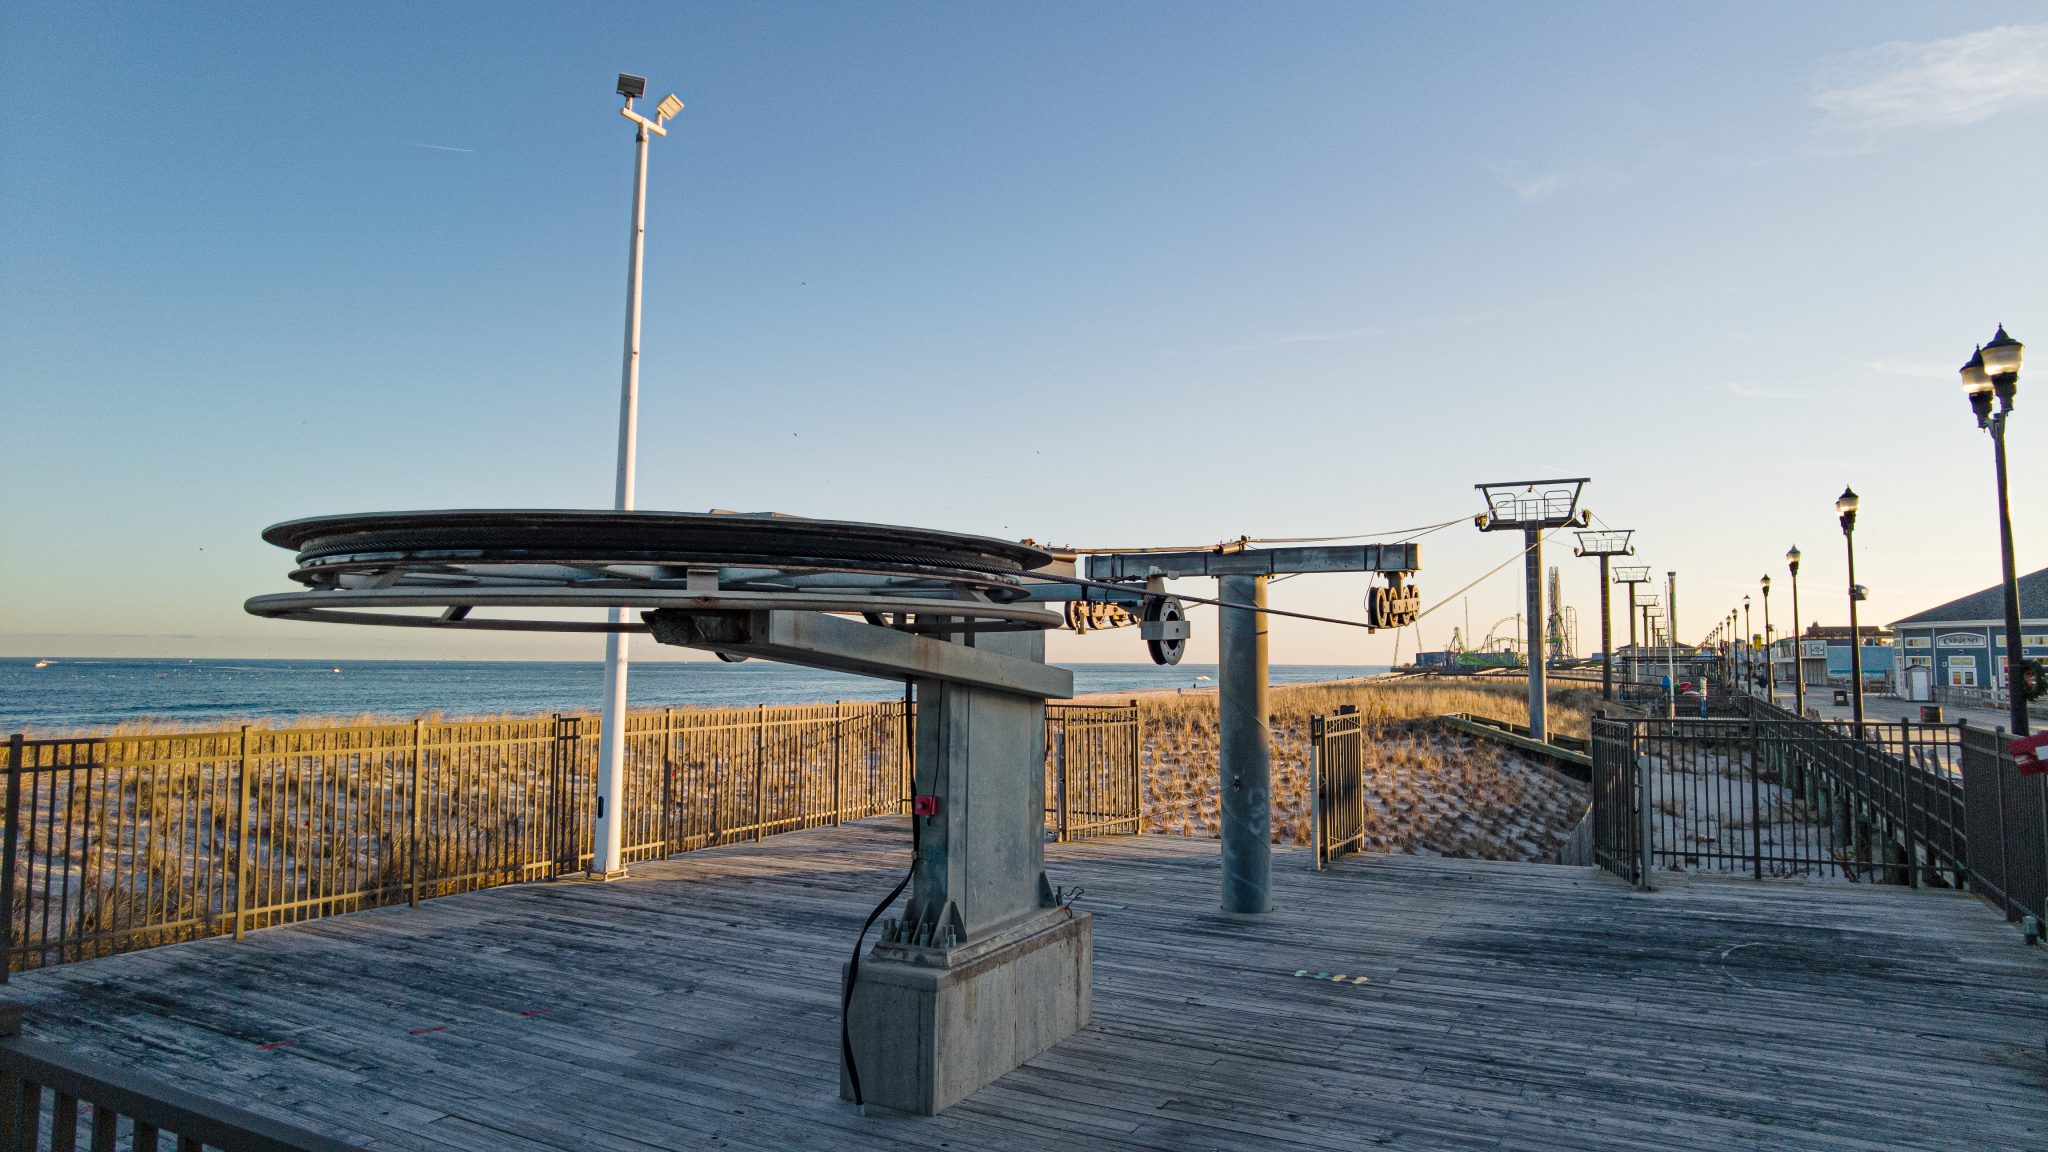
(853, 968)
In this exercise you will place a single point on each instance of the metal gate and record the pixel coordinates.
(1337, 783)
(1092, 770)
(1617, 808)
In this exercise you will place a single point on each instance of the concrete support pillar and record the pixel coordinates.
(1534, 581)
(1245, 739)
(985, 969)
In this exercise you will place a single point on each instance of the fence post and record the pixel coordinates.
(838, 759)
(1358, 777)
(1997, 774)
(760, 750)
(668, 781)
(1059, 778)
(419, 776)
(242, 843)
(908, 765)
(13, 847)
(1315, 790)
(1137, 769)
(1646, 853)
(1756, 809)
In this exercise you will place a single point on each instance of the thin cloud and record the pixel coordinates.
(1935, 83)
(1525, 185)
(437, 147)
(1917, 369)
(1373, 331)
(1330, 337)
(1764, 392)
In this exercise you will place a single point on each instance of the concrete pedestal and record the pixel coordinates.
(931, 1025)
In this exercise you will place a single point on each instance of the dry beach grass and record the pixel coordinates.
(1428, 791)
(143, 848)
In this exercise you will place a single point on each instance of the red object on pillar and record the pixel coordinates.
(924, 805)
(2026, 751)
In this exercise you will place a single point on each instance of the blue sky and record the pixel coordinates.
(1096, 275)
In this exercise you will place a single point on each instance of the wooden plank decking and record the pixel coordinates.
(1506, 1005)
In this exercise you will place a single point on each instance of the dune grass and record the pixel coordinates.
(1428, 791)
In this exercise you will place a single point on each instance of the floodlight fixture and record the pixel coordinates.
(632, 87)
(667, 109)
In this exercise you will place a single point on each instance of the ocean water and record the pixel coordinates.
(75, 695)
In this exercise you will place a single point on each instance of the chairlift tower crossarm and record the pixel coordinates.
(1606, 545)
(1535, 507)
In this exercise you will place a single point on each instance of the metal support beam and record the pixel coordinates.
(1245, 761)
(1606, 637)
(818, 640)
(1533, 579)
(1255, 562)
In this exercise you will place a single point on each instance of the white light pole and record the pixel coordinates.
(605, 862)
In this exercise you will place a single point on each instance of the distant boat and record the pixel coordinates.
(1200, 681)
(337, 669)
(42, 663)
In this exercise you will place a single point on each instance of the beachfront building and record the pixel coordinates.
(1961, 644)
(1821, 657)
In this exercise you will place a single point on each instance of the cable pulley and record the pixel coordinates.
(1395, 604)
(1165, 629)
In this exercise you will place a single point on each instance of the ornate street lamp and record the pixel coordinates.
(1798, 657)
(1994, 373)
(1845, 508)
(1748, 648)
(1770, 672)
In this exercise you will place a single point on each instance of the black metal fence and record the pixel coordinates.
(2006, 823)
(1769, 797)
(1337, 784)
(1769, 794)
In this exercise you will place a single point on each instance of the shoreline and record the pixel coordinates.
(144, 727)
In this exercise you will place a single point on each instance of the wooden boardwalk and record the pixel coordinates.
(1504, 1006)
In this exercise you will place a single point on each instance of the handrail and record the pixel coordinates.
(1570, 752)
(29, 1068)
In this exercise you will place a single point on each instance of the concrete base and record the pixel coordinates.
(929, 1026)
